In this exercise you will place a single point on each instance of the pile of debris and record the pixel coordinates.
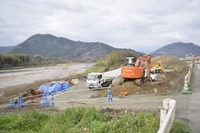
(168, 81)
(45, 90)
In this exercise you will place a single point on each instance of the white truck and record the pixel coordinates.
(96, 80)
(153, 75)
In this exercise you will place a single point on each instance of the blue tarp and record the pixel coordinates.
(47, 89)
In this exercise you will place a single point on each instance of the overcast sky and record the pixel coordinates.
(142, 25)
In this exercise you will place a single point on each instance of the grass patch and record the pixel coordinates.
(93, 69)
(27, 122)
(112, 61)
(90, 120)
(180, 127)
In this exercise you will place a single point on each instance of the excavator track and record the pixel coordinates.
(137, 82)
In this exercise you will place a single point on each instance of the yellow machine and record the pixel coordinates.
(158, 67)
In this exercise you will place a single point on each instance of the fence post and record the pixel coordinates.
(167, 115)
(164, 110)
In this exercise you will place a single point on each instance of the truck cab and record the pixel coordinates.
(94, 80)
(153, 75)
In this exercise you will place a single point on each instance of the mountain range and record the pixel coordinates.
(5, 49)
(178, 49)
(50, 46)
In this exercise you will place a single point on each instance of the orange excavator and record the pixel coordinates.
(136, 71)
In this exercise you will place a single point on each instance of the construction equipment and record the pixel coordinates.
(158, 67)
(137, 71)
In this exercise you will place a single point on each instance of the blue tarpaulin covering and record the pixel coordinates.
(47, 89)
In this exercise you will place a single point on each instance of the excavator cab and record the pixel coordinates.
(129, 71)
(130, 61)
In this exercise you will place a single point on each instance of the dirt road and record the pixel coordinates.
(14, 82)
(187, 104)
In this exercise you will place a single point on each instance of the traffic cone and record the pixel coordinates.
(186, 88)
(109, 95)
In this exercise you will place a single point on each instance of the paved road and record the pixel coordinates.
(192, 112)
(188, 104)
(198, 65)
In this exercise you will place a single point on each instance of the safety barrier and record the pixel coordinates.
(167, 115)
(46, 102)
(188, 75)
(20, 103)
(109, 94)
(186, 89)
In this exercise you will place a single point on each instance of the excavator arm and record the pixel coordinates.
(144, 58)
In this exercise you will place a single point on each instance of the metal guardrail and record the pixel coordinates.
(167, 115)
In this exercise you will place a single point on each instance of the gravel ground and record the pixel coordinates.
(80, 96)
(14, 82)
(187, 104)
(30, 75)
